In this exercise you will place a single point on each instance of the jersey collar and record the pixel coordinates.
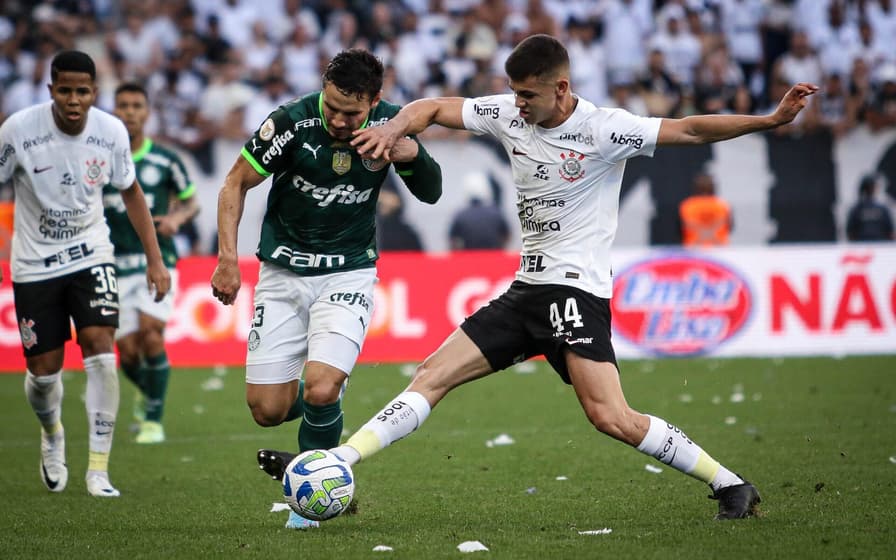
(143, 150)
(323, 119)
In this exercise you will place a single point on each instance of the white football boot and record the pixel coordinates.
(53, 470)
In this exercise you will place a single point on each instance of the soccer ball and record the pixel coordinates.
(318, 485)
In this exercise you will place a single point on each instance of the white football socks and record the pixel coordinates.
(102, 400)
(44, 393)
(404, 414)
(669, 445)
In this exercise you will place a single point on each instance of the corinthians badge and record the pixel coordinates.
(342, 161)
(571, 167)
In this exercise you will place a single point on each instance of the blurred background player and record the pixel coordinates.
(170, 197)
(59, 155)
(314, 297)
(480, 224)
(706, 219)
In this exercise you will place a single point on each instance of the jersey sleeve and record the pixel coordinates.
(123, 174)
(486, 115)
(423, 176)
(622, 135)
(7, 150)
(182, 185)
(268, 149)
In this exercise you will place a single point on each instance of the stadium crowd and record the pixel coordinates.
(215, 68)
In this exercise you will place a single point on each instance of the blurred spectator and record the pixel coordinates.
(274, 92)
(237, 18)
(706, 219)
(625, 95)
(681, 50)
(882, 108)
(301, 57)
(627, 27)
(837, 110)
(393, 233)
(869, 220)
(799, 63)
(718, 81)
(588, 63)
(836, 41)
(137, 45)
(661, 92)
(481, 224)
(741, 22)
(259, 53)
(224, 99)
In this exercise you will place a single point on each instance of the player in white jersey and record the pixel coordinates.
(60, 155)
(568, 158)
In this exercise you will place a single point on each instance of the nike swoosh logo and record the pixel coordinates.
(42, 169)
(51, 484)
(106, 312)
(103, 433)
(517, 152)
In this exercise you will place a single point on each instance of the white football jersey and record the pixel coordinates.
(58, 181)
(568, 180)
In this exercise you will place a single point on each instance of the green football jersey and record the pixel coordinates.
(162, 175)
(321, 209)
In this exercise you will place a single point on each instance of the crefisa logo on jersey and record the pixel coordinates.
(679, 305)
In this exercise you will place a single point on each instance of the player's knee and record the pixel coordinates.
(265, 415)
(152, 341)
(96, 340)
(321, 392)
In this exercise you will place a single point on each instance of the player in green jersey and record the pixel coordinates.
(314, 297)
(170, 197)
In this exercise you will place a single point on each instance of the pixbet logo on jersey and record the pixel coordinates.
(679, 305)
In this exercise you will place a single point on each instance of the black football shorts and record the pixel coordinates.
(528, 320)
(44, 308)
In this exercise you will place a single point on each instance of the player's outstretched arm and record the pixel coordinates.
(703, 129)
(415, 117)
(157, 277)
(231, 199)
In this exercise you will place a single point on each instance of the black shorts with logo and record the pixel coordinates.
(530, 319)
(43, 308)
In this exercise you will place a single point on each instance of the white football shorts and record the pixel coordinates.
(300, 318)
(134, 297)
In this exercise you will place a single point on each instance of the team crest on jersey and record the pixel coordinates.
(342, 162)
(26, 331)
(571, 167)
(373, 164)
(150, 175)
(266, 132)
(254, 340)
(94, 172)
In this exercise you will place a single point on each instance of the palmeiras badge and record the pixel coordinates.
(342, 161)
(254, 340)
(571, 167)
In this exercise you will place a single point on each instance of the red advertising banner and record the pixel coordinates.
(743, 301)
(419, 300)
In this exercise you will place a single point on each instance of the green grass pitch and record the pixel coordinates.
(817, 436)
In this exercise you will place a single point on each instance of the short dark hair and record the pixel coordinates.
(355, 72)
(72, 61)
(537, 55)
(131, 87)
(867, 186)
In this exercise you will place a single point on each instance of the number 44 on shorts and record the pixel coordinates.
(570, 315)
